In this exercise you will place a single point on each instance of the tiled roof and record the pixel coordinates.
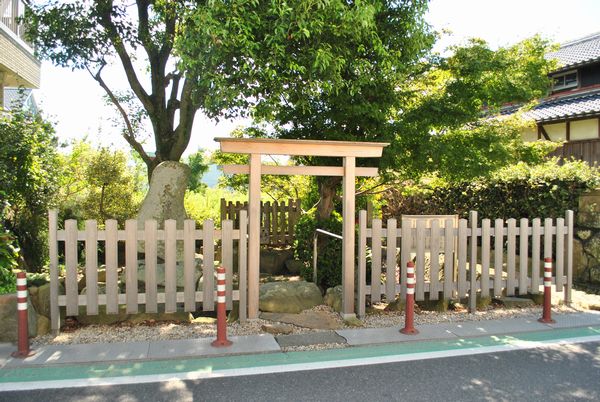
(580, 51)
(580, 105)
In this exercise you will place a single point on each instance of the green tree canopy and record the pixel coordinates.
(29, 173)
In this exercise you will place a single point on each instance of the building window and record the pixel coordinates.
(565, 80)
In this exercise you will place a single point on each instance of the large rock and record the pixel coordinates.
(514, 302)
(333, 298)
(8, 318)
(165, 199)
(288, 297)
(102, 318)
(272, 261)
(589, 210)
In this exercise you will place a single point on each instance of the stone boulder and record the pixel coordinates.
(333, 298)
(272, 261)
(165, 199)
(8, 318)
(514, 302)
(309, 319)
(289, 297)
(294, 267)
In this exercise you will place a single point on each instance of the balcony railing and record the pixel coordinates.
(10, 10)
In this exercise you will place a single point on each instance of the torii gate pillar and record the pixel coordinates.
(349, 151)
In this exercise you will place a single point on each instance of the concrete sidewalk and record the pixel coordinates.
(55, 355)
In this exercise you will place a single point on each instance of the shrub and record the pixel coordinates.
(9, 254)
(518, 191)
(329, 264)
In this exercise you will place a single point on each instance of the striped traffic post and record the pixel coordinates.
(22, 324)
(547, 314)
(221, 311)
(409, 322)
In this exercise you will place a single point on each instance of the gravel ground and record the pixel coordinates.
(153, 331)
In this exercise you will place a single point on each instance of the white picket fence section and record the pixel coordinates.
(149, 237)
(457, 242)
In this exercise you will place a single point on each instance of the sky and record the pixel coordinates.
(75, 103)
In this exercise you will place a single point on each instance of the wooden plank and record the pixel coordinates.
(111, 246)
(170, 266)
(300, 170)
(420, 263)
(535, 255)
(348, 228)
(570, 228)
(208, 267)
(560, 253)
(290, 221)
(449, 243)
(434, 258)
(473, 262)
(485, 257)
(362, 262)
(71, 267)
(523, 255)
(227, 260)
(243, 266)
(268, 146)
(91, 267)
(189, 265)
(376, 261)
(498, 256)
(150, 229)
(282, 223)
(53, 254)
(254, 235)
(223, 209)
(131, 266)
(390, 260)
(462, 258)
(511, 256)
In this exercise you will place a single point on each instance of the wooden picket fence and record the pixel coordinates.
(278, 219)
(151, 238)
(491, 248)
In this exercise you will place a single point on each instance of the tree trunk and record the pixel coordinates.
(327, 190)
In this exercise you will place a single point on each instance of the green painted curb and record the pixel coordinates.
(215, 364)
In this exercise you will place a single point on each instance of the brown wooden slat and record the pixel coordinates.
(170, 266)
(523, 255)
(434, 258)
(243, 266)
(91, 267)
(227, 260)
(376, 261)
(462, 258)
(150, 240)
(208, 266)
(511, 256)
(485, 257)
(131, 266)
(71, 267)
(362, 262)
(449, 250)
(390, 260)
(535, 255)
(189, 265)
(498, 256)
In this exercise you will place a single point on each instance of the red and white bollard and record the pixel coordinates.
(221, 311)
(547, 314)
(409, 323)
(22, 323)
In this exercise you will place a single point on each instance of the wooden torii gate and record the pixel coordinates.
(349, 151)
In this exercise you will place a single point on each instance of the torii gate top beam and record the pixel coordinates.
(267, 146)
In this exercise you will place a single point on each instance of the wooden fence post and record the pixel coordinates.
(569, 217)
(473, 263)
(53, 251)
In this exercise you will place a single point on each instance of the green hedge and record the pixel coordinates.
(329, 264)
(519, 191)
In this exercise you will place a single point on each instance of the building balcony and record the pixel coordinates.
(18, 65)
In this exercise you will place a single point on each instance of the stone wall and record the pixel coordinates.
(586, 250)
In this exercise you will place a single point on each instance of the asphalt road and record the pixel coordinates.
(561, 373)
